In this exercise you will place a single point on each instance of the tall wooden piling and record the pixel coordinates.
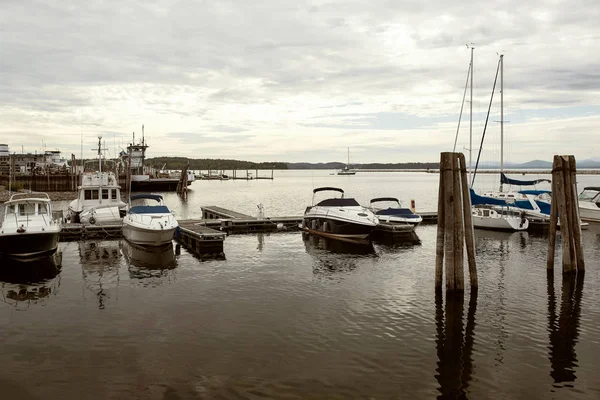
(454, 213)
(565, 207)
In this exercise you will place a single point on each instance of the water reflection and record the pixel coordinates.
(100, 261)
(399, 240)
(332, 255)
(24, 283)
(564, 330)
(454, 349)
(149, 262)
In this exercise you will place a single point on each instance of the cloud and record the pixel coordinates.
(294, 81)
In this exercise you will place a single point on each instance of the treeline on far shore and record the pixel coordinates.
(223, 164)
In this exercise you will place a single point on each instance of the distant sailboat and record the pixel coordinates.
(346, 170)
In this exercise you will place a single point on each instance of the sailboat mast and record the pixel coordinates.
(501, 117)
(471, 118)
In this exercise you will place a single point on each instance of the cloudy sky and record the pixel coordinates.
(273, 80)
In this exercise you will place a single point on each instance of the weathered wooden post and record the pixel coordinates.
(565, 207)
(455, 226)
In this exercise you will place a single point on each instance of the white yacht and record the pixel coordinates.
(28, 229)
(340, 218)
(99, 196)
(589, 204)
(148, 221)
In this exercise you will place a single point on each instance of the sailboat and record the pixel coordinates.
(346, 170)
(489, 212)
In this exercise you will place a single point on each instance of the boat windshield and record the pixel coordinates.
(338, 203)
(386, 204)
(588, 195)
(27, 208)
(144, 202)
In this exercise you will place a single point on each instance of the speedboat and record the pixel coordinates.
(148, 221)
(99, 196)
(28, 229)
(501, 218)
(395, 214)
(339, 218)
(589, 204)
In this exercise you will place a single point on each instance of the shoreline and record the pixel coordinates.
(54, 196)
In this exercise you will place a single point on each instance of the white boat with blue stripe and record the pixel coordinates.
(149, 222)
(394, 213)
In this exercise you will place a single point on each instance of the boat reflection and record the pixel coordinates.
(100, 262)
(332, 255)
(564, 330)
(149, 262)
(454, 347)
(24, 283)
(398, 240)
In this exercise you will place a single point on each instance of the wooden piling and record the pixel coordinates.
(468, 222)
(565, 203)
(454, 210)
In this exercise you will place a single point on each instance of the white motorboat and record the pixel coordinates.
(99, 196)
(28, 229)
(394, 213)
(500, 218)
(148, 221)
(339, 218)
(589, 204)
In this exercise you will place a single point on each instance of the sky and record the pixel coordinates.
(274, 80)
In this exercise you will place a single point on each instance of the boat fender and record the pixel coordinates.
(92, 220)
(412, 206)
(523, 219)
(313, 224)
(325, 227)
(21, 229)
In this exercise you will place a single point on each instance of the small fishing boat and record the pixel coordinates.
(394, 213)
(148, 221)
(28, 229)
(99, 196)
(589, 204)
(339, 218)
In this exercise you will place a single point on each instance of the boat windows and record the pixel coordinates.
(26, 209)
(105, 194)
(588, 195)
(42, 208)
(113, 194)
(91, 194)
(486, 213)
(10, 209)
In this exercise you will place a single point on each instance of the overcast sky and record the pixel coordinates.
(275, 80)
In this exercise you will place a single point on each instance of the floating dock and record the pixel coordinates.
(199, 238)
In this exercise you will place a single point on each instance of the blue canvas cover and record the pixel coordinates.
(478, 200)
(149, 210)
(509, 181)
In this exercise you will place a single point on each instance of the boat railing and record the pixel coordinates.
(22, 196)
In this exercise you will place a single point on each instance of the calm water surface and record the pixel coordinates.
(289, 316)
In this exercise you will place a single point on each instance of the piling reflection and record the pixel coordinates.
(564, 329)
(149, 262)
(100, 261)
(25, 283)
(332, 255)
(454, 348)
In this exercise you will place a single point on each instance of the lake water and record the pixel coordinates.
(289, 316)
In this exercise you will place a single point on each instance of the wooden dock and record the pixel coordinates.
(199, 238)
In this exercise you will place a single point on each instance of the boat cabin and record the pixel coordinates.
(26, 211)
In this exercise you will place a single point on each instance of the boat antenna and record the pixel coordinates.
(461, 107)
(486, 122)
(142, 135)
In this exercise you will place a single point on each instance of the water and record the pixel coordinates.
(288, 316)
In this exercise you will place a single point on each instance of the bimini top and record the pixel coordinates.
(321, 189)
(385, 199)
(156, 197)
(29, 197)
(338, 203)
(596, 188)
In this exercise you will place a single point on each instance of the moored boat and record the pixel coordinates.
(394, 214)
(589, 204)
(148, 221)
(28, 229)
(339, 218)
(500, 218)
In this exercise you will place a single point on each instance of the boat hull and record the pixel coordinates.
(147, 237)
(28, 245)
(500, 224)
(336, 228)
(589, 212)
